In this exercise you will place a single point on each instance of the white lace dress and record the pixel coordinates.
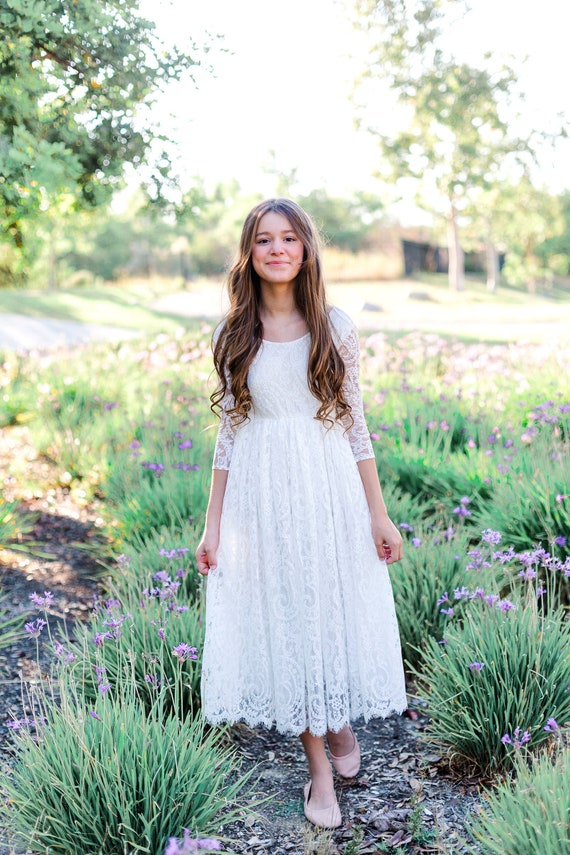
(301, 629)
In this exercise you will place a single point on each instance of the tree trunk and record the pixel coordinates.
(492, 257)
(456, 254)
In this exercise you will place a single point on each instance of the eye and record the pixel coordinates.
(291, 239)
(262, 240)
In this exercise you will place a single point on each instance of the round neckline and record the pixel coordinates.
(290, 341)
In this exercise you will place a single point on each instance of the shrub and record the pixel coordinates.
(117, 778)
(153, 641)
(433, 563)
(497, 679)
(530, 503)
(163, 550)
(531, 815)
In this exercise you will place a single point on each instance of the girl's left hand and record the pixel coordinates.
(387, 539)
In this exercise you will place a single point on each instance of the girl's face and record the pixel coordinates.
(277, 252)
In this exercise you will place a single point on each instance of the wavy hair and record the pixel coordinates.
(238, 339)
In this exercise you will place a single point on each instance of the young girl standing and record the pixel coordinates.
(301, 630)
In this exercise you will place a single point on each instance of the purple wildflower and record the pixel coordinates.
(560, 498)
(491, 599)
(461, 593)
(44, 601)
(100, 637)
(448, 612)
(416, 542)
(504, 557)
(490, 536)
(62, 653)
(443, 599)
(157, 468)
(476, 666)
(183, 652)
(551, 725)
(186, 444)
(161, 633)
(517, 740)
(35, 627)
(506, 606)
(93, 714)
(191, 844)
(443, 641)
(406, 527)
(540, 592)
(462, 511)
(560, 540)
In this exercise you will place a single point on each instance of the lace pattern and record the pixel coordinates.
(346, 339)
(301, 629)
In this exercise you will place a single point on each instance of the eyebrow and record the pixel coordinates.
(284, 232)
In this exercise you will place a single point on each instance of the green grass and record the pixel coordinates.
(471, 315)
(128, 306)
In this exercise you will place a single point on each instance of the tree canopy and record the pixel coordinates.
(73, 73)
(454, 136)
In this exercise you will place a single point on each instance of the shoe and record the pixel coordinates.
(348, 765)
(322, 817)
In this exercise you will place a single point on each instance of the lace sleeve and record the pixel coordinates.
(358, 434)
(225, 438)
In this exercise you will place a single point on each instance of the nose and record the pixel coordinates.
(276, 247)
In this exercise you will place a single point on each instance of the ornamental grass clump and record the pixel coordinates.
(165, 551)
(497, 680)
(159, 485)
(530, 815)
(116, 777)
(153, 641)
(434, 562)
(531, 502)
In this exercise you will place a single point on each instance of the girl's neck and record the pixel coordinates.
(280, 315)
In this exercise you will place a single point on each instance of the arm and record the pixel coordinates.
(206, 554)
(387, 538)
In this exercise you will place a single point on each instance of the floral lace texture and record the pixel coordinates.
(301, 629)
(346, 339)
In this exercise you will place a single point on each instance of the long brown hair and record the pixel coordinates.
(239, 338)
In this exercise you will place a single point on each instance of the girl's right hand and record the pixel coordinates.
(206, 555)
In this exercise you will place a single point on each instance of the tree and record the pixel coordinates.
(73, 74)
(453, 137)
(344, 223)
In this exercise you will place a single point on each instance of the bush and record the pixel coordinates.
(433, 563)
(530, 816)
(117, 778)
(497, 679)
(530, 504)
(153, 640)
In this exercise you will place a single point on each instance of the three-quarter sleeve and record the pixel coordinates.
(226, 434)
(358, 434)
(226, 429)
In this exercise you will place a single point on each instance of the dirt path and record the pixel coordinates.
(18, 332)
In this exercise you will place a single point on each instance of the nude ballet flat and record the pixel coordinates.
(348, 765)
(322, 817)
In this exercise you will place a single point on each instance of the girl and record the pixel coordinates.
(301, 631)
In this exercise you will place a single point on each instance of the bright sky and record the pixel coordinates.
(286, 85)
